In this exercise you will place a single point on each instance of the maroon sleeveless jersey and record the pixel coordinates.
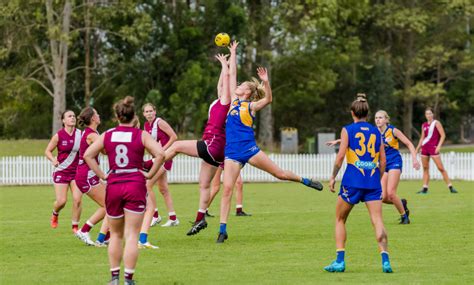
(215, 126)
(68, 148)
(432, 135)
(154, 130)
(125, 152)
(84, 145)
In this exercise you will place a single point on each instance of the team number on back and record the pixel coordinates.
(121, 158)
(363, 148)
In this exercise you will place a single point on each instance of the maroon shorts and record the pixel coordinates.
(211, 152)
(429, 151)
(63, 178)
(86, 180)
(147, 165)
(129, 196)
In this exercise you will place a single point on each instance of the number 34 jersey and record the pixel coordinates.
(362, 156)
(125, 150)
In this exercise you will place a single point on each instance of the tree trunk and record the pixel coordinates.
(59, 56)
(265, 127)
(408, 116)
(87, 72)
(59, 103)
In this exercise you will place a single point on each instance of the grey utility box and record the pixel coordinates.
(322, 138)
(289, 140)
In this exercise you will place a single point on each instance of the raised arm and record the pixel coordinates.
(399, 134)
(339, 159)
(224, 93)
(260, 104)
(53, 143)
(442, 135)
(93, 151)
(233, 69)
(165, 127)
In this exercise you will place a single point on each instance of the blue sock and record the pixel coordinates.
(305, 181)
(101, 237)
(223, 228)
(384, 257)
(340, 255)
(143, 237)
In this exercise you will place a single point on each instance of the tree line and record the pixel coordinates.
(404, 54)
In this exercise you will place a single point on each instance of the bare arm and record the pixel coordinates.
(339, 159)
(421, 140)
(442, 135)
(53, 143)
(333, 143)
(399, 134)
(165, 127)
(260, 104)
(155, 149)
(91, 153)
(233, 69)
(382, 160)
(224, 92)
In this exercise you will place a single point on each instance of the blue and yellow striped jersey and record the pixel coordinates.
(362, 156)
(239, 125)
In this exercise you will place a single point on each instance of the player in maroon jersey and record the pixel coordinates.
(125, 199)
(211, 147)
(432, 138)
(163, 133)
(67, 141)
(86, 180)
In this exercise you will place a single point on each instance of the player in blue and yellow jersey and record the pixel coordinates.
(390, 179)
(241, 146)
(362, 145)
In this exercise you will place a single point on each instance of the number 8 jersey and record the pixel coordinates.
(125, 150)
(362, 156)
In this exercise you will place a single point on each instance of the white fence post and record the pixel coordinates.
(21, 170)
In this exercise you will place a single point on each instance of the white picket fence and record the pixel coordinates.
(27, 170)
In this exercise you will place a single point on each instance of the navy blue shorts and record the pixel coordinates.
(241, 152)
(353, 195)
(396, 163)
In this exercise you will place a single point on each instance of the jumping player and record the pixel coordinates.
(393, 170)
(239, 185)
(67, 141)
(432, 138)
(211, 148)
(126, 185)
(162, 132)
(362, 145)
(241, 147)
(86, 180)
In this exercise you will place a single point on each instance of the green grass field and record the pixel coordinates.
(36, 147)
(288, 240)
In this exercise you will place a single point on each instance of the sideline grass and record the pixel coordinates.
(288, 240)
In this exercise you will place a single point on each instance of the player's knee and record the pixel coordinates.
(163, 190)
(441, 169)
(227, 192)
(391, 196)
(61, 202)
(77, 202)
(239, 183)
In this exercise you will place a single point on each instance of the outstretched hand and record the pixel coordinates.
(233, 46)
(262, 74)
(222, 58)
